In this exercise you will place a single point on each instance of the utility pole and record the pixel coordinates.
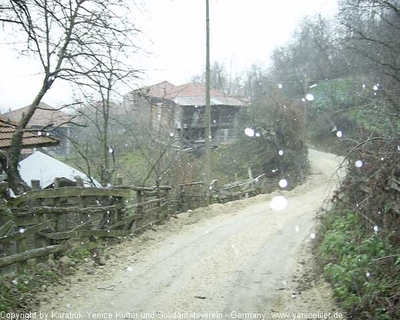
(207, 118)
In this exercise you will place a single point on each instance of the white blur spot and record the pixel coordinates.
(309, 97)
(376, 87)
(21, 230)
(297, 228)
(39, 133)
(214, 121)
(274, 170)
(129, 269)
(339, 134)
(280, 86)
(376, 228)
(313, 85)
(279, 203)
(249, 132)
(258, 134)
(280, 152)
(358, 163)
(283, 183)
(110, 150)
(171, 134)
(312, 235)
(368, 274)
(363, 86)
(302, 99)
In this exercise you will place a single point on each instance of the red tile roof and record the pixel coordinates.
(42, 117)
(162, 90)
(195, 90)
(189, 94)
(30, 139)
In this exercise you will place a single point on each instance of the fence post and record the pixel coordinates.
(167, 195)
(35, 184)
(79, 183)
(159, 196)
(4, 189)
(181, 198)
(139, 207)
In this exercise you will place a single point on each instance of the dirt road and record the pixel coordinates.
(241, 257)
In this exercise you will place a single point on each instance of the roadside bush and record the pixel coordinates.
(271, 140)
(361, 242)
(361, 267)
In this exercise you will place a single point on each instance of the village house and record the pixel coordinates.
(167, 109)
(49, 119)
(30, 139)
(40, 167)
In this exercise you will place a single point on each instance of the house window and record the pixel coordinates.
(224, 135)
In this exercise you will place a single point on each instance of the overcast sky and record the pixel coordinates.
(242, 33)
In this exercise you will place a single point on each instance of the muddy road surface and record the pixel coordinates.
(238, 260)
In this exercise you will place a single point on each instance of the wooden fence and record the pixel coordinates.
(192, 195)
(40, 222)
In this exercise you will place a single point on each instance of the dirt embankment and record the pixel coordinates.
(241, 257)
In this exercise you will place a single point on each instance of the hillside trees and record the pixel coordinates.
(309, 57)
(372, 36)
(69, 40)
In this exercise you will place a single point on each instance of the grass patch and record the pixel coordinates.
(18, 292)
(132, 167)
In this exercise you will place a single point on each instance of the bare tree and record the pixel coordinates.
(104, 84)
(219, 79)
(70, 40)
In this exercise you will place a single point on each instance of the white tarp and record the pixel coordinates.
(39, 166)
